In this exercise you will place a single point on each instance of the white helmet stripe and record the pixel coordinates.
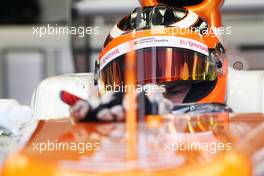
(116, 31)
(153, 41)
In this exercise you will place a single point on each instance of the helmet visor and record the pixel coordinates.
(161, 65)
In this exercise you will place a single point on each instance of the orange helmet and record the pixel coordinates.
(172, 46)
(208, 9)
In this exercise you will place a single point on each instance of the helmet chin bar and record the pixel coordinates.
(208, 9)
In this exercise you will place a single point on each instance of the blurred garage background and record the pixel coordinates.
(26, 59)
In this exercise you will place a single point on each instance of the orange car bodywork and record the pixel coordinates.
(112, 159)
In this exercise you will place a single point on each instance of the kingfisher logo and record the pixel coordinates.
(194, 45)
(198, 46)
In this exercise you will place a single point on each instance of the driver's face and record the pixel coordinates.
(177, 93)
